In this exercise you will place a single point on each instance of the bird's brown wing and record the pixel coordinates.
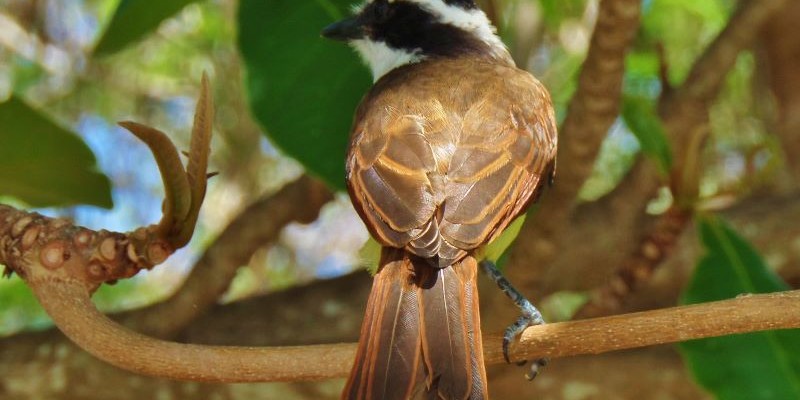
(391, 176)
(440, 181)
(506, 151)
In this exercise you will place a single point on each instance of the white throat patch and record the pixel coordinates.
(381, 58)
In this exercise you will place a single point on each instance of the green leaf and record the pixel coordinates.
(497, 248)
(642, 120)
(754, 366)
(134, 19)
(303, 89)
(44, 164)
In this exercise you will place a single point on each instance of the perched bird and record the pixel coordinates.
(449, 146)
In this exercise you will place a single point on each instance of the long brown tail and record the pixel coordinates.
(421, 335)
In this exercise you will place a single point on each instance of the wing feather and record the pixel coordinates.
(440, 178)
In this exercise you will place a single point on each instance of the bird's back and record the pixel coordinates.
(446, 153)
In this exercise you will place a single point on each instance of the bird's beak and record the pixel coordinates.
(344, 30)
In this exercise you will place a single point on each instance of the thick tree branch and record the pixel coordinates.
(75, 314)
(782, 56)
(592, 110)
(298, 201)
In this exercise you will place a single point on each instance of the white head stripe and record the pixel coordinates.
(381, 58)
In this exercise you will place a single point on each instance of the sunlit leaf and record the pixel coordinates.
(642, 120)
(684, 28)
(498, 247)
(303, 89)
(370, 255)
(755, 366)
(134, 19)
(44, 164)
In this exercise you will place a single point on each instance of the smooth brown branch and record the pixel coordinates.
(79, 319)
(746, 313)
(75, 315)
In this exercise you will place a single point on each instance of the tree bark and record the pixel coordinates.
(782, 50)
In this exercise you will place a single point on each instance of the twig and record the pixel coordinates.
(654, 247)
(298, 201)
(77, 317)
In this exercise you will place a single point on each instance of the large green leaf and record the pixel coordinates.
(755, 366)
(134, 19)
(303, 89)
(45, 165)
(642, 120)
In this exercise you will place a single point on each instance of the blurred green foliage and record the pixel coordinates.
(133, 19)
(642, 120)
(555, 12)
(44, 164)
(754, 366)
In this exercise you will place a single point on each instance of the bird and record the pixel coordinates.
(449, 146)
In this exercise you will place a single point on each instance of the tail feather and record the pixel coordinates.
(472, 311)
(421, 333)
(445, 342)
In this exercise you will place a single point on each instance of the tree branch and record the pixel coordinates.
(684, 112)
(298, 201)
(592, 110)
(782, 63)
(75, 314)
(748, 313)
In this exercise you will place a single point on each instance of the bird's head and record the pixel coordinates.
(392, 33)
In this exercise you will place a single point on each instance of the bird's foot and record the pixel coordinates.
(515, 330)
(530, 316)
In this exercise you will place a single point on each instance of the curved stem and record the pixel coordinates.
(76, 316)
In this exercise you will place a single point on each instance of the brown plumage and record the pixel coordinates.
(444, 155)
